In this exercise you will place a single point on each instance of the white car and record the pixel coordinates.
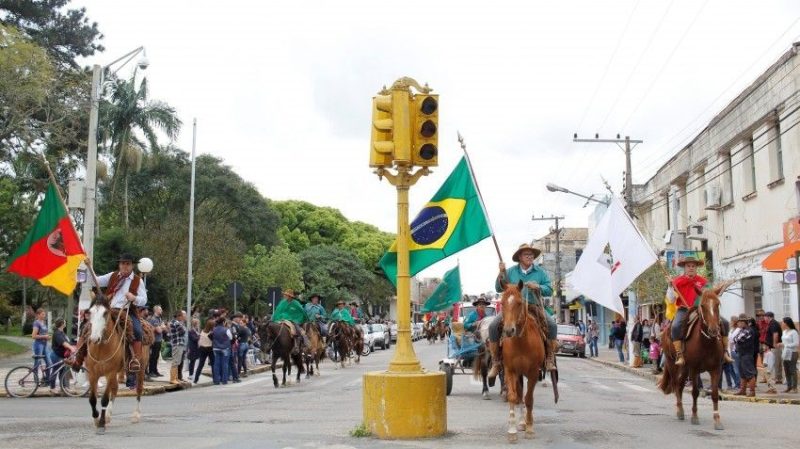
(369, 339)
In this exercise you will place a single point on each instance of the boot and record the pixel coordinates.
(752, 384)
(173, 375)
(725, 356)
(134, 366)
(743, 389)
(550, 362)
(494, 350)
(678, 345)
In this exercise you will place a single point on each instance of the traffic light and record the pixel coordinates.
(381, 144)
(425, 130)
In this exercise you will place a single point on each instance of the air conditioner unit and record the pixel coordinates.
(697, 232)
(713, 196)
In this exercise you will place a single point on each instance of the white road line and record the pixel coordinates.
(636, 387)
(249, 382)
(600, 386)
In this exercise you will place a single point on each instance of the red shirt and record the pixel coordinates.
(689, 288)
(762, 325)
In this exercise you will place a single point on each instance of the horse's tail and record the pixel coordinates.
(477, 366)
(669, 379)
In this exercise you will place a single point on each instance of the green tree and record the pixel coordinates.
(336, 274)
(269, 268)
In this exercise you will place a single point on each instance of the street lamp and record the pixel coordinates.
(91, 158)
(554, 188)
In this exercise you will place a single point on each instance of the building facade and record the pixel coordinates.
(571, 243)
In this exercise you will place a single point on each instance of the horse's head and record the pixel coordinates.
(98, 316)
(709, 311)
(515, 310)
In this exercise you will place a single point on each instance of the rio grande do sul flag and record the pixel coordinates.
(51, 252)
(451, 221)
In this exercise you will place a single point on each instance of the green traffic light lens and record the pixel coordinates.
(429, 106)
(427, 151)
(428, 129)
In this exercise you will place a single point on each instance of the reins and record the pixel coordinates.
(113, 328)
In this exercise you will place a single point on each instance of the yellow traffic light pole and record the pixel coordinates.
(404, 401)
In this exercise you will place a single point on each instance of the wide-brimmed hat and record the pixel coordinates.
(690, 259)
(743, 317)
(315, 295)
(127, 257)
(354, 304)
(341, 301)
(480, 300)
(523, 247)
(289, 293)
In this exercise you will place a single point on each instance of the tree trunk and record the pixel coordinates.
(125, 202)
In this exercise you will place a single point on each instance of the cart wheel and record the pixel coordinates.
(448, 374)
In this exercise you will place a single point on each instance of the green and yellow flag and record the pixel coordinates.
(451, 221)
(446, 294)
(52, 250)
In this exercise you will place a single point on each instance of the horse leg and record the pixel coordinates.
(513, 398)
(485, 381)
(695, 394)
(114, 388)
(299, 362)
(274, 376)
(529, 433)
(137, 413)
(93, 397)
(521, 403)
(101, 424)
(715, 378)
(287, 367)
(679, 397)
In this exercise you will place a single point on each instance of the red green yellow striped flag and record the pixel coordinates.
(52, 251)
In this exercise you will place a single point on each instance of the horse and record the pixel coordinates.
(357, 343)
(316, 349)
(105, 357)
(339, 339)
(430, 332)
(441, 330)
(703, 351)
(523, 357)
(483, 359)
(277, 337)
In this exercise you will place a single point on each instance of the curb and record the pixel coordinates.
(722, 396)
(151, 390)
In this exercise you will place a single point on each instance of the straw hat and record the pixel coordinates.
(690, 259)
(523, 247)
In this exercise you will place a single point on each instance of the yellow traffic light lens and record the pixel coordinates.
(427, 151)
(428, 129)
(429, 106)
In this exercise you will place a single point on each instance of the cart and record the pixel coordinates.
(462, 348)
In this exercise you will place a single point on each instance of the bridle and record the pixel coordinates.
(110, 333)
(711, 335)
(520, 322)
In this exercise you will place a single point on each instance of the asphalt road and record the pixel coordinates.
(600, 407)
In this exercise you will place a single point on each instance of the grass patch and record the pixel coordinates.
(360, 431)
(15, 330)
(9, 348)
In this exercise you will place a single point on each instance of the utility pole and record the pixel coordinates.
(557, 290)
(627, 150)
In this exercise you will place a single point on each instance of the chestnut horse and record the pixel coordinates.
(523, 357)
(703, 352)
(105, 356)
(316, 349)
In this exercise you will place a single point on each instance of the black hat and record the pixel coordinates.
(481, 300)
(127, 257)
(313, 295)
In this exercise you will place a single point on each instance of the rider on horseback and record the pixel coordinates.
(292, 311)
(340, 313)
(316, 313)
(538, 284)
(689, 285)
(122, 287)
(471, 322)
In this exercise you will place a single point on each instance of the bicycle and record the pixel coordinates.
(23, 381)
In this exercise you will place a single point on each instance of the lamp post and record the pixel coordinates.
(554, 188)
(91, 160)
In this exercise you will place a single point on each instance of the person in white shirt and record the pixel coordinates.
(789, 343)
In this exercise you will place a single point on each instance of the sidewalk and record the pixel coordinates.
(610, 358)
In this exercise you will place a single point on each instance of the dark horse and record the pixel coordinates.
(703, 351)
(340, 336)
(277, 337)
(523, 357)
(483, 359)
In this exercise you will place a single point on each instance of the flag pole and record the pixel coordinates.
(480, 195)
(63, 203)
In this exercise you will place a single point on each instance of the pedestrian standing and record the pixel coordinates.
(647, 335)
(60, 347)
(789, 344)
(620, 334)
(155, 349)
(40, 338)
(243, 336)
(773, 341)
(204, 349)
(593, 332)
(734, 331)
(221, 342)
(192, 352)
(747, 348)
(177, 338)
(637, 334)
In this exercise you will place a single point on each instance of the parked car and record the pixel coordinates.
(380, 335)
(393, 332)
(369, 339)
(416, 331)
(570, 341)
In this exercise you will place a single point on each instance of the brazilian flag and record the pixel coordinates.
(446, 294)
(451, 221)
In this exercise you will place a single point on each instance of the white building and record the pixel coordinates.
(731, 189)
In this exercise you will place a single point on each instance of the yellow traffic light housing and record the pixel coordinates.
(425, 130)
(381, 144)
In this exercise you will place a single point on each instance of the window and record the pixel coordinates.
(748, 168)
(787, 300)
(775, 154)
(726, 178)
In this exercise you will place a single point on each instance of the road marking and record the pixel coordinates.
(600, 386)
(635, 387)
(249, 382)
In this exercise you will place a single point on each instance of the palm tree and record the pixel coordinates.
(126, 116)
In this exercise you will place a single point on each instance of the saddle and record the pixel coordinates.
(290, 326)
(689, 323)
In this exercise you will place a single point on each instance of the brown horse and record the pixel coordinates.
(277, 337)
(105, 356)
(703, 352)
(357, 343)
(523, 357)
(316, 348)
(340, 337)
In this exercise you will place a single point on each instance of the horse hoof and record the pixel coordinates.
(680, 416)
(529, 434)
(97, 422)
(521, 426)
(512, 437)
(101, 431)
(695, 420)
(718, 426)
(486, 397)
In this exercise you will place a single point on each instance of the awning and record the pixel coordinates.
(777, 260)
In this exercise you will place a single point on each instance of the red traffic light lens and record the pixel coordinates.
(429, 106)
(428, 129)
(427, 151)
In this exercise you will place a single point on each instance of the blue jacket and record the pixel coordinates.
(472, 320)
(536, 274)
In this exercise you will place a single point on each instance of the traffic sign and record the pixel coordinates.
(273, 296)
(235, 289)
(790, 277)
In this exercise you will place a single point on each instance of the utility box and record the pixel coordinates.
(76, 194)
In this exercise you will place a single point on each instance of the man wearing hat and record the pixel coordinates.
(340, 313)
(536, 284)
(471, 322)
(316, 313)
(356, 312)
(291, 310)
(122, 287)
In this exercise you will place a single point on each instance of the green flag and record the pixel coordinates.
(446, 294)
(451, 221)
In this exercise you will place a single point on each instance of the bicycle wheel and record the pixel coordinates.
(75, 384)
(21, 382)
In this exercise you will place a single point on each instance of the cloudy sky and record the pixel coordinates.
(281, 92)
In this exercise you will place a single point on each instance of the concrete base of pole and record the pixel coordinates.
(405, 406)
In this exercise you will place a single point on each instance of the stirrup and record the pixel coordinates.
(134, 366)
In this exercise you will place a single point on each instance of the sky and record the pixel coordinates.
(282, 93)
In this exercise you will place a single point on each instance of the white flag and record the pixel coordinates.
(614, 257)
